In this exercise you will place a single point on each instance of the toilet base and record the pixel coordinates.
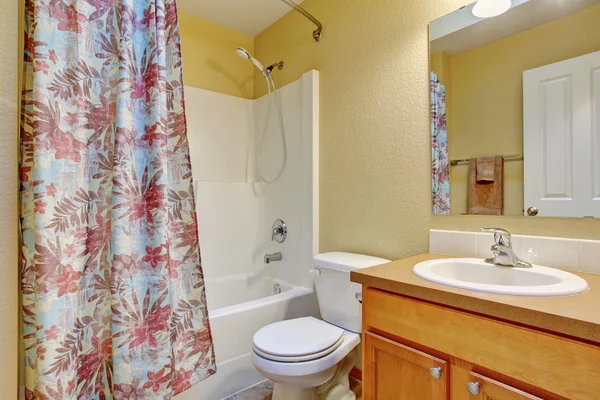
(282, 391)
(336, 388)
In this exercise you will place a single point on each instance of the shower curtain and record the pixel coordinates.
(439, 144)
(113, 292)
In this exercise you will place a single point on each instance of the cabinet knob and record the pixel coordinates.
(436, 372)
(473, 388)
(533, 211)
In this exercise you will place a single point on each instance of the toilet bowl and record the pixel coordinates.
(307, 358)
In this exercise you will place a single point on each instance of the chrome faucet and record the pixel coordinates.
(504, 254)
(269, 258)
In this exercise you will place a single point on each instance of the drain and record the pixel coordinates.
(277, 288)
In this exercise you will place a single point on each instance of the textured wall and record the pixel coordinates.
(375, 146)
(375, 163)
(9, 297)
(209, 59)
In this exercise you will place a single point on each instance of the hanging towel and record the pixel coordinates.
(486, 169)
(486, 198)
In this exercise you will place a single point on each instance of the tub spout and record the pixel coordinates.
(269, 258)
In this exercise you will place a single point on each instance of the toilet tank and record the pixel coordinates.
(336, 294)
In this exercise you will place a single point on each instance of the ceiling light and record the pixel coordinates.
(491, 8)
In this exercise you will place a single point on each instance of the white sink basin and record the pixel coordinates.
(476, 274)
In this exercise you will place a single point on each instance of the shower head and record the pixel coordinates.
(243, 53)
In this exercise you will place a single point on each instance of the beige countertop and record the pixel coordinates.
(577, 316)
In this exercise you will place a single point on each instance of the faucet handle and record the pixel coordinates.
(501, 236)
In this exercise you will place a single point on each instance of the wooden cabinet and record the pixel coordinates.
(467, 385)
(397, 372)
(405, 339)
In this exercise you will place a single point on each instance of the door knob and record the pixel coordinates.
(473, 388)
(436, 372)
(533, 211)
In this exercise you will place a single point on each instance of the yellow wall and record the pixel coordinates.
(375, 141)
(209, 58)
(486, 116)
(375, 163)
(9, 296)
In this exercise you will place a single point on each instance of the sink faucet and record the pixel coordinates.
(504, 254)
(269, 258)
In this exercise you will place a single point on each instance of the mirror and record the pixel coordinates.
(515, 110)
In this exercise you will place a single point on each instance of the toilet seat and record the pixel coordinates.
(308, 357)
(291, 369)
(299, 339)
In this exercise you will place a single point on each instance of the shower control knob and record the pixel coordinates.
(473, 388)
(533, 211)
(279, 232)
(436, 372)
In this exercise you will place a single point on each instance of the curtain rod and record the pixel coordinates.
(512, 157)
(295, 6)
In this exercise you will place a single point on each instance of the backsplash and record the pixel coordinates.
(568, 254)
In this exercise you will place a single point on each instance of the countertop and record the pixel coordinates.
(577, 316)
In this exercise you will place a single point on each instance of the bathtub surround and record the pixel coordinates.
(113, 291)
(9, 301)
(236, 213)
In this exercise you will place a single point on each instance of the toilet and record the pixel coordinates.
(308, 358)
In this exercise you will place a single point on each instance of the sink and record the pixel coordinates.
(476, 274)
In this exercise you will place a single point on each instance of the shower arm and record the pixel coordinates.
(317, 32)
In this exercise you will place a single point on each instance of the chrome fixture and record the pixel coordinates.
(279, 232)
(504, 254)
(269, 258)
(316, 33)
(436, 372)
(533, 211)
(277, 288)
(280, 65)
(358, 296)
(473, 388)
(466, 161)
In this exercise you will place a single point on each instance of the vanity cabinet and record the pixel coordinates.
(398, 372)
(418, 350)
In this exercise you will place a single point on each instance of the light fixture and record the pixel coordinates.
(491, 8)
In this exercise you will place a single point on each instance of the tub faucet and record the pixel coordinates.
(269, 258)
(504, 254)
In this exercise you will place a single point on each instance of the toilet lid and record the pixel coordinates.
(297, 337)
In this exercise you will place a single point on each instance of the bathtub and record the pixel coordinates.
(239, 305)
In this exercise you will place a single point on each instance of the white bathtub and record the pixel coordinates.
(239, 305)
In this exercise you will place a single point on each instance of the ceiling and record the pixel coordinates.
(247, 16)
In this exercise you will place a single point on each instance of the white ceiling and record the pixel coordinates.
(247, 16)
(461, 31)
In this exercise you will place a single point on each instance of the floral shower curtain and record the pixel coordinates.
(440, 166)
(113, 292)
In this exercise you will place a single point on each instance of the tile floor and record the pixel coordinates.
(264, 391)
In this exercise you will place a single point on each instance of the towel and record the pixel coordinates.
(486, 169)
(486, 198)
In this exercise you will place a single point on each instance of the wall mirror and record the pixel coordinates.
(515, 110)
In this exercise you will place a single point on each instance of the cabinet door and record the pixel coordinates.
(472, 386)
(396, 372)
